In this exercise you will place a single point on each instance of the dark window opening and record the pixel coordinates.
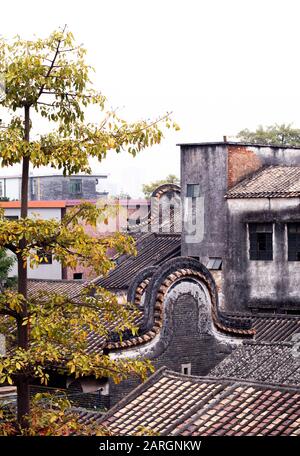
(186, 369)
(193, 190)
(12, 217)
(261, 241)
(77, 276)
(44, 257)
(33, 184)
(75, 186)
(214, 264)
(293, 241)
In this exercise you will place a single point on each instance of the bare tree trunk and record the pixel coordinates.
(23, 403)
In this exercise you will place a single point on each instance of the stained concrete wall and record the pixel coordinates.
(265, 285)
(207, 166)
(58, 188)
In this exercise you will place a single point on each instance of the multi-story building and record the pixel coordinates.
(55, 187)
(249, 213)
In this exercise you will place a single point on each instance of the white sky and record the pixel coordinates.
(220, 66)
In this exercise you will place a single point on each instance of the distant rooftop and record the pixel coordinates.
(67, 203)
(235, 143)
(34, 204)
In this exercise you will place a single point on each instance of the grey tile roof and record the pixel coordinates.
(270, 182)
(152, 249)
(173, 404)
(270, 327)
(263, 362)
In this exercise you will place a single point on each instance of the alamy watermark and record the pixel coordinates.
(164, 215)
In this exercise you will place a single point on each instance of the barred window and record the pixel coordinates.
(193, 190)
(293, 241)
(75, 186)
(261, 241)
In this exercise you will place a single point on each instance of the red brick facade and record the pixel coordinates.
(241, 162)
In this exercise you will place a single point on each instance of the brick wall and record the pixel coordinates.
(187, 344)
(241, 162)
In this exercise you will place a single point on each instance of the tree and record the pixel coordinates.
(273, 134)
(6, 263)
(121, 195)
(148, 189)
(50, 78)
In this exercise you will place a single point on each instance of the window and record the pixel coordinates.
(33, 187)
(261, 241)
(293, 241)
(75, 186)
(12, 217)
(77, 276)
(186, 369)
(193, 190)
(45, 258)
(1, 189)
(214, 264)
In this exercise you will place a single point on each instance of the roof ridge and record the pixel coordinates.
(258, 383)
(58, 280)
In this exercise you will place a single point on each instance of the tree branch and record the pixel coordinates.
(51, 65)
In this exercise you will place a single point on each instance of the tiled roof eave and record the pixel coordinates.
(263, 195)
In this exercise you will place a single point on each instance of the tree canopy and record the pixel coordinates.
(50, 77)
(283, 134)
(148, 189)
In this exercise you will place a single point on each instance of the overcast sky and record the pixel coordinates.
(219, 65)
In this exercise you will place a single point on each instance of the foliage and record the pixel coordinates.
(50, 415)
(51, 78)
(122, 195)
(273, 134)
(6, 263)
(53, 415)
(148, 189)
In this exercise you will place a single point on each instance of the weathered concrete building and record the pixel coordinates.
(250, 212)
(55, 187)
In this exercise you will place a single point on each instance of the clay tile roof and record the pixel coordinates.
(71, 288)
(257, 410)
(152, 249)
(270, 182)
(272, 362)
(169, 403)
